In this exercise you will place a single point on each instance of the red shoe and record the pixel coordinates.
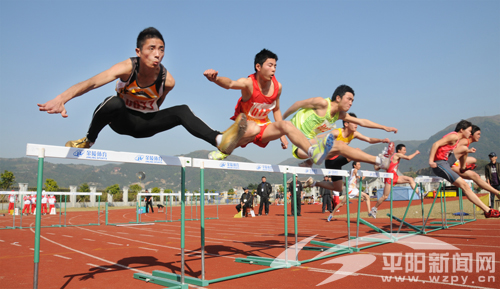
(470, 166)
(492, 213)
(389, 151)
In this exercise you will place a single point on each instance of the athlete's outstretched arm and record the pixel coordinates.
(56, 105)
(314, 103)
(370, 140)
(367, 123)
(409, 157)
(225, 82)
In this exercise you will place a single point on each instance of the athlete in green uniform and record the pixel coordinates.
(318, 115)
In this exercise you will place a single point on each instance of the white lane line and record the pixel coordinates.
(100, 267)
(111, 243)
(2, 241)
(16, 244)
(156, 250)
(33, 249)
(91, 256)
(146, 235)
(88, 239)
(122, 233)
(64, 257)
(67, 236)
(50, 233)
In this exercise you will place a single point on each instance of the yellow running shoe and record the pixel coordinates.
(233, 134)
(82, 143)
(322, 148)
(217, 155)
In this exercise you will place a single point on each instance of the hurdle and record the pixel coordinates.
(43, 151)
(163, 278)
(60, 194)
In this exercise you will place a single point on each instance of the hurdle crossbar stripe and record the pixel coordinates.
(257, 167)
(105, 155)
(175, 194)
(372, 174)
(52, 193)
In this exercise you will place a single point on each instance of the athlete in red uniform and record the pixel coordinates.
(463, 149)
(12, 201)
(27, 204)
(393, 168)
(143, 83)
(261, 96)
(438, 161)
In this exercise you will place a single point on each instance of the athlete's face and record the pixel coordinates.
(152, 52)
(476, 136)
(267, 69)
(352, 126)
(357, 166)
(467, 132)
(402, 150)
(345, 102)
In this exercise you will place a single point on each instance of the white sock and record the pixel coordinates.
(310, 151)
(218, 139)
(378, 161)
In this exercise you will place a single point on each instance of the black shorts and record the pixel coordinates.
(336, 164)
(444, 171)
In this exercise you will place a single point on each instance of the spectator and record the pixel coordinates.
(491, 174)
(246, 201)
(149, 202)
(264, 190)
(326, 196)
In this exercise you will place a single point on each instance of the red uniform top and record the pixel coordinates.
(258, 106)
(393, 167)
(443, 152)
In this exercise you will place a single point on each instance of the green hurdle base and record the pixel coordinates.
(254, 260)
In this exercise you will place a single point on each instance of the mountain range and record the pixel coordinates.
(25, 169)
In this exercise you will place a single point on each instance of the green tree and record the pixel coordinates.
(132, 192)
(156, 190)
(252, 186)
(84, 188)
(6, 180)
(114, 189)
(51, 185)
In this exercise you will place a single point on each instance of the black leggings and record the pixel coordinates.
(336, 164)
(125, 121)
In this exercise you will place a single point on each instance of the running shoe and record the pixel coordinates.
(384, 162)
(373, 213)
(82, 143)
(322, 148)
(309, 183)
(389, 151)
(492, 213)
(217, 155)
(233, 134)
(306, 164)
(329, 218)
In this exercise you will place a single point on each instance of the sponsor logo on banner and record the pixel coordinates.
(149, 159)
(267, 168)
(229, 165)
(78, 153)
(95, 155)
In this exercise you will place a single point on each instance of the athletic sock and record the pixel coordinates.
(378, 161)
(218, 139)
(310, 152)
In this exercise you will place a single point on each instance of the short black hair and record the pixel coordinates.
(354, 163)
(262, 56)
(351, 114)
(146, 34)
(463, 124)
(399, 147)
(341, 90)
(475, 129)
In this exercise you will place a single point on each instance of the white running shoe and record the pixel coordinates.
(373, 213)
(309, 183)
(385, 162)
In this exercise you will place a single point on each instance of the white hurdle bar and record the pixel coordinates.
(106, 156)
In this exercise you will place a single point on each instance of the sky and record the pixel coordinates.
(418, 66)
